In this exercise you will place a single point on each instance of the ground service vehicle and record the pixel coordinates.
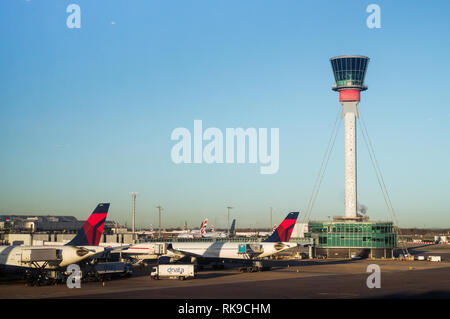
(173, 271)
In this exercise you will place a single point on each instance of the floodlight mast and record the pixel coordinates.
(349, 72)
(271, 217)
(133, 197)
(228, 222)
(159, 226)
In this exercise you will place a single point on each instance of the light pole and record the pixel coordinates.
(159, 227)
(271, 225)
(133, 196)
(228, 209)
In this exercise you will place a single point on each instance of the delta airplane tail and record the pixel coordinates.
(284, 231)
(90, 233)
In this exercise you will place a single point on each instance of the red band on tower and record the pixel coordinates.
(349, 95)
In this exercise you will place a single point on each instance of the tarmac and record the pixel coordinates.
(293, 279)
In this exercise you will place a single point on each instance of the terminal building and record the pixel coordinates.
(350, 239)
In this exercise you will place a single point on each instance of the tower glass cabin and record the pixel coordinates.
(349, 72)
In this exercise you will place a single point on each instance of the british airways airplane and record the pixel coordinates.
(214, 234)
(195, 233)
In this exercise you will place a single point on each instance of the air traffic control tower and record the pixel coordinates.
(349, 73)
(352, 234)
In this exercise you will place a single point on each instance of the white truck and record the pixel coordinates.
(173, 271)
(434, 258)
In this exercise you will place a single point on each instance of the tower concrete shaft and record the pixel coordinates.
(350, 113)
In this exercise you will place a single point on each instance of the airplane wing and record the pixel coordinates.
(116, 249)
(305, 243)
(180, 253)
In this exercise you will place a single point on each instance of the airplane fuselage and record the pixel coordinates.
(227, 250)
(62, 256)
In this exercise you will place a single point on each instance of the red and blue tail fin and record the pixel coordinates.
(284, 231)
(92, 229)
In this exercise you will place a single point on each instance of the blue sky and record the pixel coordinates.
(86, 114)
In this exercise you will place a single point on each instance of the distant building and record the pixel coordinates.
(34, 223)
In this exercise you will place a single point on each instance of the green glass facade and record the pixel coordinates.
(354, 235)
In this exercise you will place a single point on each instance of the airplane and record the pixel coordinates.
(218, 250)
(154, 250)
(195, 233)
(18, 259)
(265, 233)
(228, 234)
